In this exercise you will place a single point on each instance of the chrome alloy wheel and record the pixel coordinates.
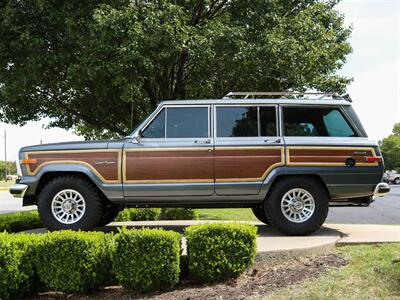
(68, 206)
(297, 205)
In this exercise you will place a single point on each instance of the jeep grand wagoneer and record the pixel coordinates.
(287, 159)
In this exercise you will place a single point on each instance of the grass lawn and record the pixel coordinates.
(236, 214)
(4, 185)
(373, 272)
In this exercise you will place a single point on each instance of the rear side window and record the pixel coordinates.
(313, 121)
(237, 121)
(179, 122)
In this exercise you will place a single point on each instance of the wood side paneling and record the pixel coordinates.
(105, 163)
(169, 166)
(328, 156)
(250, 164)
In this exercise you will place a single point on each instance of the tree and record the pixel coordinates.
(100, 66)
(390, 147)
(11, 169)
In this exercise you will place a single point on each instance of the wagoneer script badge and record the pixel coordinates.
(106, 162)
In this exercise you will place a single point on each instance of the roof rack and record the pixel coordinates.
(247, 95)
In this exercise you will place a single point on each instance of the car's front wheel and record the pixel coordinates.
(70, 202)
(297, 206)
(110, 212)
(396, 181)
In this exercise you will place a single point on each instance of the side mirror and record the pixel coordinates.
(137, 137)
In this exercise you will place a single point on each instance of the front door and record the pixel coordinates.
(175, 156)
(248, 147)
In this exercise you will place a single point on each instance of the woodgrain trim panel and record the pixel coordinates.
(240, 159)
(172, 162)
(327, 156)
(106, 173)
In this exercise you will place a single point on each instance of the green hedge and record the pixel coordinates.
(17, 271)
(179, 214)
(20, 221)
(138, 214)
(220, 251)
(69, 261)
(147, 259)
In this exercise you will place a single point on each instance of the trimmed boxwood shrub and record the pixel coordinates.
(146, 259)
(17, 272)
(179, 214)
(69, 261)
(138, 214)
(219, 251)
(20, 221)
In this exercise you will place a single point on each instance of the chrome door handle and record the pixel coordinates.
(206, 141)
(272, 141)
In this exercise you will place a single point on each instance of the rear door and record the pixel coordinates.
(248, 147)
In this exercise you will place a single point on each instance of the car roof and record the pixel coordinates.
(333, 102)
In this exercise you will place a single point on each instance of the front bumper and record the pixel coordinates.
(381, 189)
(18, 190)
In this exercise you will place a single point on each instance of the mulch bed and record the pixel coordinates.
(257, 282)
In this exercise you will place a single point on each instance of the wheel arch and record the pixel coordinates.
(48, 175)
(281, 176)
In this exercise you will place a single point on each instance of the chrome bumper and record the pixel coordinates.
(18, 190)
(381, 189)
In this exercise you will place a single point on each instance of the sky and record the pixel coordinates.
(374, 65)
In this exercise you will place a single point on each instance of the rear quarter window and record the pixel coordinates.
(316, 121)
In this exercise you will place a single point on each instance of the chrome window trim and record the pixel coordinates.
(338, 107)
(257, 105)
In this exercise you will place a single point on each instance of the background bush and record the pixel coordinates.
(147, 259)
(138, 214)
(220, 251)
(179, 214)
(20, 221)
(69, 261)
(17, 271)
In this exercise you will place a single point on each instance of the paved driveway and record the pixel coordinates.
(384, 210)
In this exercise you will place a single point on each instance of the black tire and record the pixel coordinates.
(260, 214)
(92, 200)
(396, 181)
(110, 212)
(272, 206)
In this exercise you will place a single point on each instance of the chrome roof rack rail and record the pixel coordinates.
(322, 95)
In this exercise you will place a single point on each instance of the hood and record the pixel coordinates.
(80, 145)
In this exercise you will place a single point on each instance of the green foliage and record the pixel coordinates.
(138, 214)
(219, 251)
(147, 259)
(179, 214)
(100, 66)
(17, 272)
(11, 168)
(20, 221)
(390, 147)
(69, 261)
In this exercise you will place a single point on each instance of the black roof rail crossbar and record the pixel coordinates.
(247, 95)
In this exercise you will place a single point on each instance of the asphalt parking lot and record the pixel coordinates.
(385, 210)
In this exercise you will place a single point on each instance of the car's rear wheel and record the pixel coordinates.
(396, 181)
(70, 202)
(110, 212)
(297, 206)
(260, 214)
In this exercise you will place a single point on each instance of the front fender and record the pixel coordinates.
(111, 191)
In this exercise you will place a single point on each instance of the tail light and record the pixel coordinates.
(373, 158)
